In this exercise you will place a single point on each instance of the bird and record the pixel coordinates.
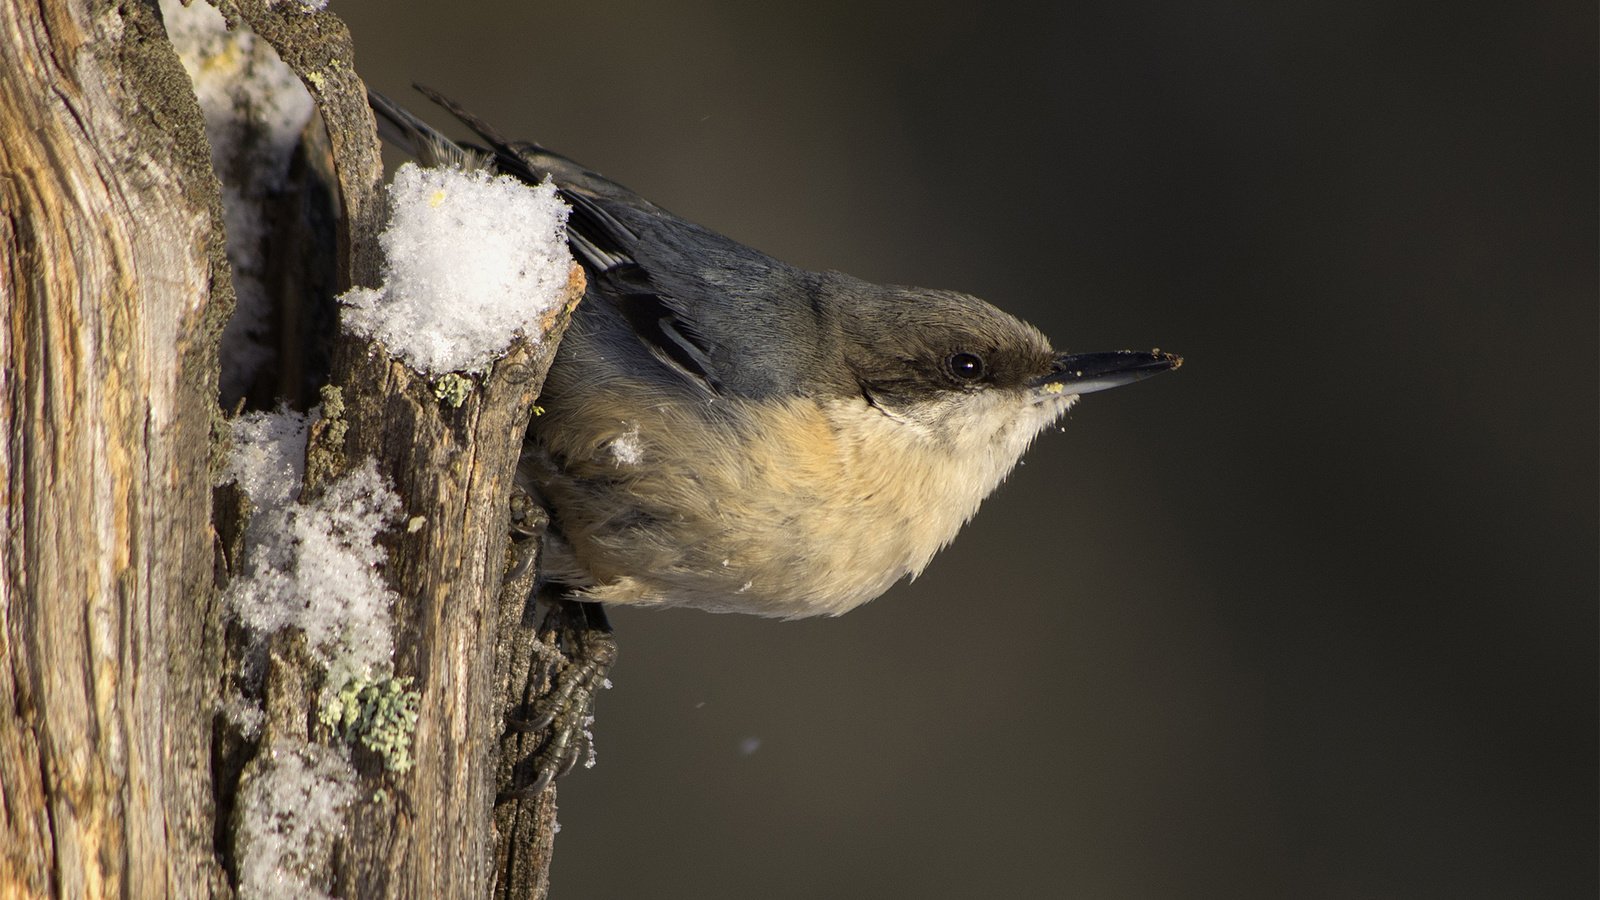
(728, 432)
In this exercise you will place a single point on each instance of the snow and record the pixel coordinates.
(245, 715)
(470, 259)
(313, 565)
(588, 741)
(627, 449)
(269, 456)
(289, 814)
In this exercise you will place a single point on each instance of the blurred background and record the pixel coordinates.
(1314, 617)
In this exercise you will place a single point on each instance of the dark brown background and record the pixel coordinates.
(1315, 617)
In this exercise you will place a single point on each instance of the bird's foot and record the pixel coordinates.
(567, 712)
(529, 523)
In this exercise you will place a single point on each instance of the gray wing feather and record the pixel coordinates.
(725, 317)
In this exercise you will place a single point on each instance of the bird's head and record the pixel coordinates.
(969, 375)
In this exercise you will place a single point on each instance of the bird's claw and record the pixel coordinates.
(528, 518)
(566, 713)
(527, 525)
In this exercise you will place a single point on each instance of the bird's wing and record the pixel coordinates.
(651, 266)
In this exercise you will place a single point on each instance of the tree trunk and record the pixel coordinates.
(120, 773)
(112, 290)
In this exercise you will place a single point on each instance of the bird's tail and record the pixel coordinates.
(601, 241)
(522, 159)
(398, 126)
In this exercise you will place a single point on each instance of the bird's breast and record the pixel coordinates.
(786, 507)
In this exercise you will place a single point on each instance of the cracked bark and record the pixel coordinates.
(112, 292)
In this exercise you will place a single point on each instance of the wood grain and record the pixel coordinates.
(112, 291)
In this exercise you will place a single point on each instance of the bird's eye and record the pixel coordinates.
(965, 366)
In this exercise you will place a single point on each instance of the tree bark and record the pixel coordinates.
(112, 291)
(455, 468)
(118, 772)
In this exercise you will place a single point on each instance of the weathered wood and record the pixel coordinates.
(526, 660)
(317, 46)
(454, 467)
(435, 832)
(113, 289)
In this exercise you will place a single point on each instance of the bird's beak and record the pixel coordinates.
(1085, 373)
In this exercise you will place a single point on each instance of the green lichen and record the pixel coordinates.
(452, 389)
(380, 715)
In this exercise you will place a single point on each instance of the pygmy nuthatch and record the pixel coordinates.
(725, 431)
(728, 432)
